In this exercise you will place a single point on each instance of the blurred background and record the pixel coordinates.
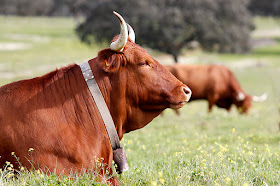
(173, 30)
(39, 36)
(172, 27)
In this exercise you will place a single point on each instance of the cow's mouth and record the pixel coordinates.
(161, 107)
(177, 105)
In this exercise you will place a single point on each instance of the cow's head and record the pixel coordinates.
(243, 103)
(139, 88)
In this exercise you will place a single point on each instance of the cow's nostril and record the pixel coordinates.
(188, 92)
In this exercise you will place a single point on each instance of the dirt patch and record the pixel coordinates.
(262, 42)
(7, 73)
(26, 37)
(26, 41)
(248, 63)
(274, 33)
(167, 59)
(11, 46)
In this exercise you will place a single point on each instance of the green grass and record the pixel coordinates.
(195, 148)
(267, 27)
(51, 43)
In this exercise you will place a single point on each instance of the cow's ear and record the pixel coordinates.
(109, 61)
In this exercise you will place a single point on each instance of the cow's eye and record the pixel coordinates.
(144, 63)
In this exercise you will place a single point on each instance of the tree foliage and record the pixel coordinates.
(25, 7)
(169, 25)
(166, 25)
(265, 7)
(70, 7)
(43, 7)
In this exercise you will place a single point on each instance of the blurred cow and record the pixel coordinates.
(215, 83)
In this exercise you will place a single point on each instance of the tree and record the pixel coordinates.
(40, 7)
(169, 25)
(26, 7)
(224, 26)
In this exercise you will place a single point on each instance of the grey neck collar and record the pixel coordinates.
(119, 155)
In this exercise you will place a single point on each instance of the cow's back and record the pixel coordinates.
(203, 80)
(55, 116)
(13, 103)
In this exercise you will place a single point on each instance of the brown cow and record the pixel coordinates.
(215, 83)
(57, 117)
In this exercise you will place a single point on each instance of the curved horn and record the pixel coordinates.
(260, 98)
(131, 33)
(120, 43)
(240, 96)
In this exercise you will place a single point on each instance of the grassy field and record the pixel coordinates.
(195, 148)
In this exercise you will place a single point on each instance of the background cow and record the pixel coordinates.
(56, 116)
(215, 83)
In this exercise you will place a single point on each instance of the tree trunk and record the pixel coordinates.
(175, 56)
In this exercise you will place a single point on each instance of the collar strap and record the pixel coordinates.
(101, 105)
(119, 155)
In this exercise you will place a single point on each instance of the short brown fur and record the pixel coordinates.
(57, 117)
(214, 83)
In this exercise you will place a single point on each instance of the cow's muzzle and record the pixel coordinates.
(187, 92)
(185, 97)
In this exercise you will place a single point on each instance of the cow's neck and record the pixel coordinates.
(105, 86)
(127, 116)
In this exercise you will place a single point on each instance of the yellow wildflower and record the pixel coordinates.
(9, 175)
(30, 149)
(228, 180)
(154, 183)
(10, 168)
(161, 180)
